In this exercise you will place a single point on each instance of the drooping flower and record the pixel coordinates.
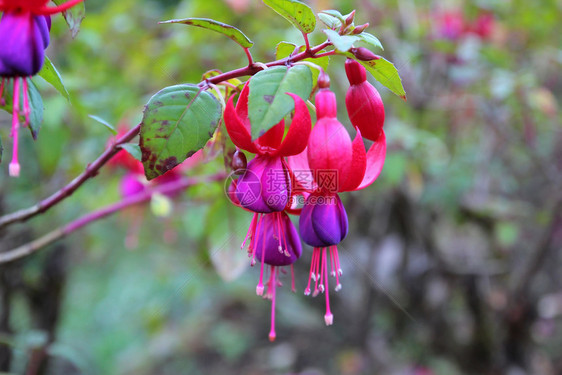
(265, 189)
(24, 36)
(337, 164)
(364, 104)
(277, 245)
(265, 186)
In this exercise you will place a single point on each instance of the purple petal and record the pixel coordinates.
(22, 44)
(278, 237)
(265, 186)
(130, 185)
(323, 221)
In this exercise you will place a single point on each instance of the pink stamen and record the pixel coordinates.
(26, 110)
(14, 167)
(334, 250)
(250, 233)
(307, 290)
(2, 101)
(272, 334)
(293, 289)
(259, 288)
(328, 318)
(46, 11)
(254, 239)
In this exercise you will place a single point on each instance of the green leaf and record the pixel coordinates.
(297, 13)
(133, 149)
(50, 74)
(178, 121)
(104, 123)
(334, 13)
(73, 16)
(342, 43)
(268, 102)
(371, 40)
(330, 21)
(284, 49)
(384, 72)
(230, 31)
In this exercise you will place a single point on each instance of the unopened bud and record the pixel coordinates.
(350, 18)
(239, 162)
(323, 80)
(359, 29)
(364, 54)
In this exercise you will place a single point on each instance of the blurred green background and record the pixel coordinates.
(452, 264)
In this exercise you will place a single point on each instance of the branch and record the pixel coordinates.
(93, 168)
(168, 188)
(90, 172)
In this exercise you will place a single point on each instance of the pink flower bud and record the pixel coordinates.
(364, 104)
(364, 54)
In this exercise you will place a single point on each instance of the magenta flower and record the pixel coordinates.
(277, 245)
(337, 164)
(364, 104)
(24, 35)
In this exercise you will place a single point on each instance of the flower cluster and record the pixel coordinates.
(315, 163)
(24, 36)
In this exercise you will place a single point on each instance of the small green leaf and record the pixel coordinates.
(104, 123)
(334, 13)
(50, 74)
(384, 72)
(73, 16)
(371, 40)
(230, 31)
(297, 13)
(133, 149)
(178, 121)
(284, 49)
(342, 43)
(330, 21)
(268, 103)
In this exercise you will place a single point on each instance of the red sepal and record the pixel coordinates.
(375, 162)
(297, 137)
(358, 165)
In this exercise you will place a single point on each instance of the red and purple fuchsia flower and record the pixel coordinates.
(335, 164)
(24, 36)
(265, 189)
(316, 164)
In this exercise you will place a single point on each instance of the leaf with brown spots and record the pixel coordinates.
(177, 122)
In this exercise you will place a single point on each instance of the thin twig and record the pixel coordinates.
(93, 168)
(35, 245)
(66, 191)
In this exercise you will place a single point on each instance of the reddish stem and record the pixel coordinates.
(46, 11)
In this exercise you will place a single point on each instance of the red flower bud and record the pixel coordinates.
(364, 104)
(364, 54)
(359, 29)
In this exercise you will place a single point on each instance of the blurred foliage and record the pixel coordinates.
(437, 267)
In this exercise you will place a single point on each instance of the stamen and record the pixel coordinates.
(254, 239)
(272, 334)
(251, 231)
(2, 101)
(328, 317)
(259, 288)
(310, 274)
(14, 167)
(293, 289)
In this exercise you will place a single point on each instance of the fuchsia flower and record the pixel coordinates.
(337, 164)
(265, 189)
(364, 104)
(24, 36)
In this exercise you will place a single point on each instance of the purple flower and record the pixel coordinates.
(23, 40)
(323, 220)
(265, 186)
(275, 242)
